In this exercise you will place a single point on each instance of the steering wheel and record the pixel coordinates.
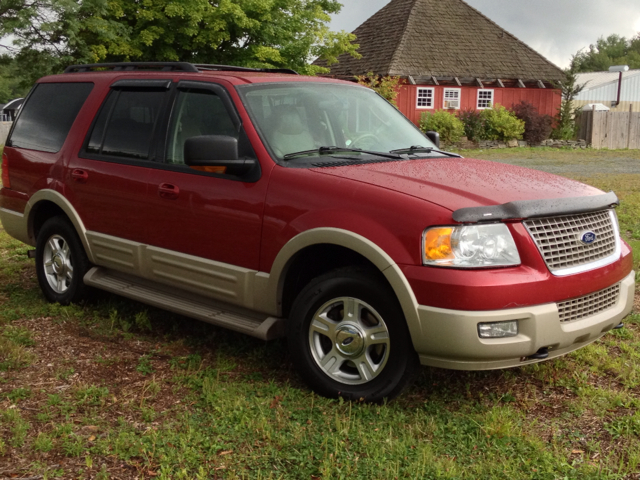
(365, 141)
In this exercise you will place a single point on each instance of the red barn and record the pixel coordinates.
(450, 56)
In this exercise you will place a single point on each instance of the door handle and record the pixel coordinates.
(168, 191)
(80, 176)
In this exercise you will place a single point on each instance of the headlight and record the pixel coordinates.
(469, 246)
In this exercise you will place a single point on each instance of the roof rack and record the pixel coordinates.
(170, 67)
(130, 66)
(231, 68)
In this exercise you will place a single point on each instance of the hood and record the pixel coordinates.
(455, 183)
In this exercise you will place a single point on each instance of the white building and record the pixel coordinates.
(602, 87)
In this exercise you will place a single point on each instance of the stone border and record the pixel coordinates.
(494, 144)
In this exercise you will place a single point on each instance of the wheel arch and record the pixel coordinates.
(348, 245)
(46, 204)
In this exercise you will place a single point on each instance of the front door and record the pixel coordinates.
(206, 226)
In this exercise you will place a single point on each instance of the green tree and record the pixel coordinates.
(613, 50)
(45, 36)
(565, 124)
(10, 80)
(51, 34)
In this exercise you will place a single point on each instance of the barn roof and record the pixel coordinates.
(441, 38)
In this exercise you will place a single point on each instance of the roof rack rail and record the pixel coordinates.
(232, 68)
(130, 66)
(170, 67)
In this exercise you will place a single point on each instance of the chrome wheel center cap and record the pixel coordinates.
(58, 263)
(349, 340)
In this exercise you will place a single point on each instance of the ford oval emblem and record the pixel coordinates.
(587, 237)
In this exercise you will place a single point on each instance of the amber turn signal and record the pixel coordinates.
(437, 244)
(210, 169)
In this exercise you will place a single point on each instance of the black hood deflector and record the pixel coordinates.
(536, 208)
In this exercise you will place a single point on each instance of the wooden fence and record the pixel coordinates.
(612, 130)
(4, 131)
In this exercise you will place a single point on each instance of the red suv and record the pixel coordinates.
(275, 204)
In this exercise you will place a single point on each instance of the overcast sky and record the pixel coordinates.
(555, 28)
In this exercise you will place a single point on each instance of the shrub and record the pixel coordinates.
(501, 124)
(446, 124)
(388, 87)
(567, 125)
(536, 127)
(474, 128)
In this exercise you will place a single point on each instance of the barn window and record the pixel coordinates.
(452, 98)
(425, 98)
(485, 99)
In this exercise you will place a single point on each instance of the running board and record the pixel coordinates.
(188, 304)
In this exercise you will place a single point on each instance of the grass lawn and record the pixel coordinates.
(115, 389)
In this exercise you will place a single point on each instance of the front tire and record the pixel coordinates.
(61, 262)
(348, 337)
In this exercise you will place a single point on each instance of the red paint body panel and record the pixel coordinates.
(211, 217)
(461, 182)
(247, 224)
(494, 289)
(105, 201)
(300, 199)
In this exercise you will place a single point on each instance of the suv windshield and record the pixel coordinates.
(300, 117)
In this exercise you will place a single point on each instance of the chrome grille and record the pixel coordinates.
(557, 238)
(588, 305)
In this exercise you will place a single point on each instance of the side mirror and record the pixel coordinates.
(434, 137)
(216, 153)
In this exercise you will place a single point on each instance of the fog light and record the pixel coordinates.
(498, 329)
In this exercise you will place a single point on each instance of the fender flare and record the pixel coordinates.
(59, 200)
(352, 241)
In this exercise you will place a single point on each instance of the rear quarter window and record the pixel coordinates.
(48, 114)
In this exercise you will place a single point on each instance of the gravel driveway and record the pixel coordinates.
(571, 163)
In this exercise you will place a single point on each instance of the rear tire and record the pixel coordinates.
(61, 262)
(348, 337)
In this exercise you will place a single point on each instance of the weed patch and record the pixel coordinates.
(115, 389)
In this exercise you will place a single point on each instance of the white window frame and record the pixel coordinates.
(458, 97)
(430, 98)
(484, 90)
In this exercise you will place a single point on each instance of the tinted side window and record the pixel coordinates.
(125, 125)
(48, 114)
(196, 113)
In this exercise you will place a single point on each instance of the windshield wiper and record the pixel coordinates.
(421, 149)
(333, 150)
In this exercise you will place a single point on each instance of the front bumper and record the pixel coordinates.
(450, 339)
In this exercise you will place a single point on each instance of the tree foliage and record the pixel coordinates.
(565, 124)
(47, 35)
(255, 33)
(613, 50)
(10, 80)
(388, 87)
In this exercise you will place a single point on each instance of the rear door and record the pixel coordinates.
(107, 182)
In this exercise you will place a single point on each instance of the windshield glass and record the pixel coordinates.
(295, 117)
